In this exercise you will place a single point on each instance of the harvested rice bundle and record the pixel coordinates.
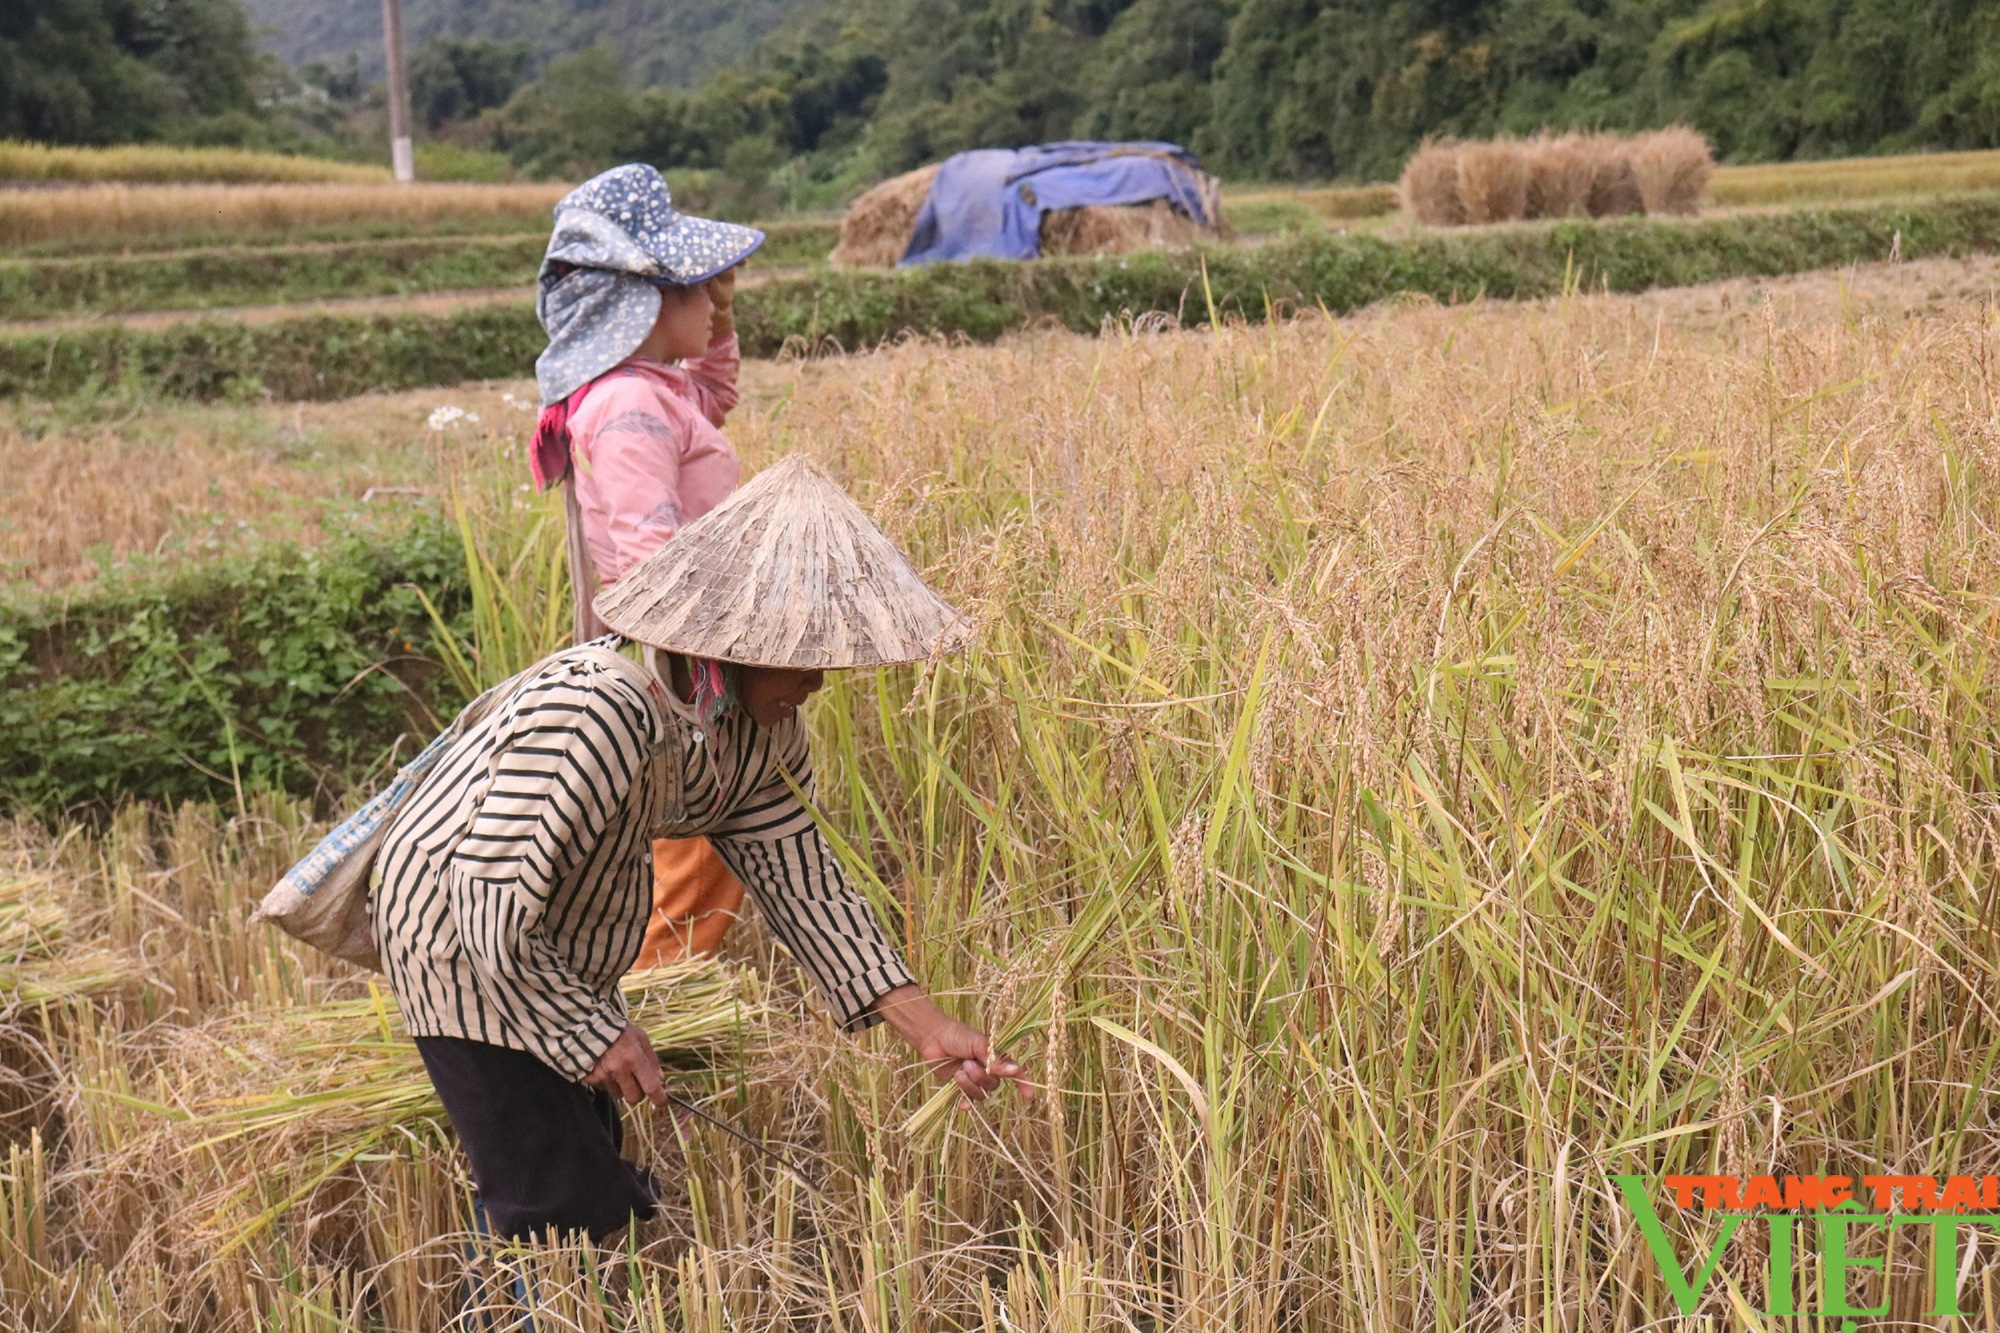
(1613, 189)
(1448, 183)
(1429, 187)
(39, 958)
(1561, 169)
(1493, 181)
(1669, 168)
(877, 227)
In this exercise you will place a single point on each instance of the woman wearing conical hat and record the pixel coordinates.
(515, 887)
(637, 298)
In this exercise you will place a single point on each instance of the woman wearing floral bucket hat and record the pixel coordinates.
(637, 299)
(513, 889)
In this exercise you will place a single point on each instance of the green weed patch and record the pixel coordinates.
(294, 670)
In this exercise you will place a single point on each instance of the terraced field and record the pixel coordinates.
(1454, 718)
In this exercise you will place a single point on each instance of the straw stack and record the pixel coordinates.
(787, 572)
(1670, 167)
(1115, 230)
(1429, 187)
(1492, 181)
(877, 227)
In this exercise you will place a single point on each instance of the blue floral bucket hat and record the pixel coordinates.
(619, 239)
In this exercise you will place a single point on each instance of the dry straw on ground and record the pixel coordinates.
(196, 482)
(1412, 766)
(877, 228)
(1449, 182)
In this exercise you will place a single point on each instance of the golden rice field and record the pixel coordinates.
(138, 214)
(168, 164)
(1412, 767)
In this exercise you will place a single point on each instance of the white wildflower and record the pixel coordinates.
(443, 418)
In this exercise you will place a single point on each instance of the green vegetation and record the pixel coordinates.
(249, 275)
(659, 41)
(315, 357)
(118, 71)
(241, 275)
(290, 670)
(326, 356)
(800, 102)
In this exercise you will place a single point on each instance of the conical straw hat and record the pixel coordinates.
(787, 572)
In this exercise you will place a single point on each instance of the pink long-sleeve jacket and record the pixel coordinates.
(647, 453)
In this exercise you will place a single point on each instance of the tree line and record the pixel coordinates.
(852, 91)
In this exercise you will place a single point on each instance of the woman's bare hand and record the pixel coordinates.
(722, 292)
(956, 1052)
(628, 1069)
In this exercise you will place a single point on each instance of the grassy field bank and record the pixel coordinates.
(336, 356)
(1411, 767)
(244, 275)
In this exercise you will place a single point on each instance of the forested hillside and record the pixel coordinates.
(670, 42)
(836, 94)
(108, 71)
(1346, 87)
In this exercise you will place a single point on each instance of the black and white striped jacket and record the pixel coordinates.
(514, 888)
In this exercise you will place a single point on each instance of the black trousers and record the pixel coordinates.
(544, 1150)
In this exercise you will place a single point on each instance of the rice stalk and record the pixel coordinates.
(519, 576)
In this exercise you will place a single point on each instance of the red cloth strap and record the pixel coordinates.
(549, 455)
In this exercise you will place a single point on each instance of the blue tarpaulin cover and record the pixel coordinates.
(990, 201)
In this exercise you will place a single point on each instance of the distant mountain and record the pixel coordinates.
(661, 42)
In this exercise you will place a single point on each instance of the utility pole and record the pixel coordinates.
(401, 154)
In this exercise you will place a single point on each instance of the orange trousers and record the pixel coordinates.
(695, 900)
